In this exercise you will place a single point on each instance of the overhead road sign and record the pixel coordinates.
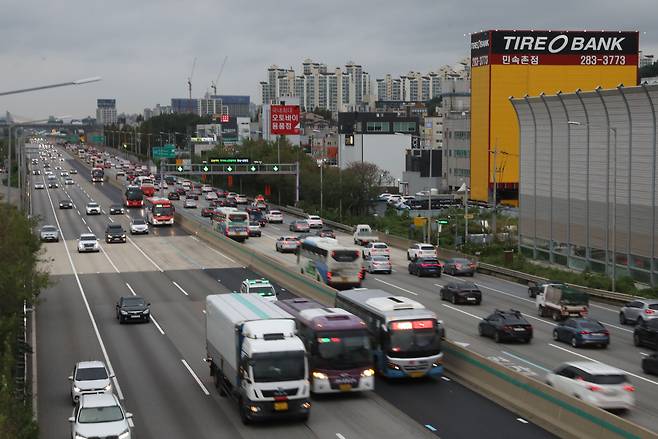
(228, 160)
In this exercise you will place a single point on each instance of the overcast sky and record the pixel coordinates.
(144, 49)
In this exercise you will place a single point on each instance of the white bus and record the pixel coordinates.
(325, 260)
(406, 336)
(231, 223)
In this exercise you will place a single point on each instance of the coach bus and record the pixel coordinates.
(406, 336)
(133, 197)
(338, 343)
(327, 261)
(159, 211)
(231, 223)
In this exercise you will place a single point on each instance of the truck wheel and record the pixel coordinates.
(243, 413)
(556, 316)
(540, 311)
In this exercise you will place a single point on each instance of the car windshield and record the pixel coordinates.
(592, 326)
(115, 206)
(341, 350)
(87, 238)
(344, 255)
(428, 261)
(93, 415)
(91, 373)
(133, 301)
(163, 210)
(115, 228)
(416, 338)
(461, 261)
(380, 246)
(279, 366)
(49, 229)
(254, 223)
(92, 205)
(511, 320)
(427, 248)
(139, 222)
(275, 212)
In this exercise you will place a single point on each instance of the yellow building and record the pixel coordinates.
(506, 63)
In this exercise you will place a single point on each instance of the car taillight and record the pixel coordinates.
(629, 388)
(584, 333)
(425, 265)
(593, 387)
(649, 311)
(507, 328)
(329, 274)
(360, 274)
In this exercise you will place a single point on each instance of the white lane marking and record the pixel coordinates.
(195, 238)
(463, 312)
(525, 361)
(340, 436)
(110, 218)
(187, 366)
(445, 378)
(84, 221)
(108, 257)
(131, 423)
(522, 421)
(89, 228)
(644, 354)
(157, 325)
(216, 251)
(86, 302)
(78, 212)
(145, 255)
(597, 361)
(180, 288)
(395, 286)
(131, 289)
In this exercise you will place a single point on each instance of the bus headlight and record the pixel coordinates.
(320, 376)
(393, 366)
(368, 373)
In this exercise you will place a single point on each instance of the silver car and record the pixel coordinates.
(138, 225)
(49, 233)
(100, 416)
(638, 310)
(378, 264)
(89, 377)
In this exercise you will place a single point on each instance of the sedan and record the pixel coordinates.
(459, 266)
(314, 222)
(73, 171)
(378, 264)
(253, 229)
(180, 191)
(581, 332)
(462, 292)
(299, 226)
(93, 208)
(53, 185)
(39, 186)
(287, 244)
(206, 212)
(425, 266)
(69, 182)
(66, 204)
(326, 233)
(116, 209)
(173, 196)
(49, 233)
(210, 196)
(274, 216)
(190, 203)
(132, 309)
(138, 226)
(100, 416)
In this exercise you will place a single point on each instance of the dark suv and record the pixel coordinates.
(506, 325)
(133, 309)
(425, 267)
(646, 334)
(464, 292)
(115, 233)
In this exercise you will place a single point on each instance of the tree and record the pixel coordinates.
(649, 71)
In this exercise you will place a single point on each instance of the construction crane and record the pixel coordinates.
(213, 84)
(189, 84)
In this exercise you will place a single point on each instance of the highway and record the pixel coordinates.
(160, 375)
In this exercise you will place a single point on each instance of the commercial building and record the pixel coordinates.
(517, 63)
(456, 150)
(106, 111)
(379, 138)
(416, 176)
(234, 105)
(588, 186)
(184, 105)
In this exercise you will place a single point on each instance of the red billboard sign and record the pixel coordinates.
(284, 120)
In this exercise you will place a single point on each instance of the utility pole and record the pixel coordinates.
(495, 190)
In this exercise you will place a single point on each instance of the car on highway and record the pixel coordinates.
(241, 199)
(65, 204)
(262, 287)
(535, 288)
(582, 332)
(115, 233)
(595, 383)
(190, 203)
(120, 173)
(326, 233)
(461, 292)
(36, 172)
(506, 326)
(299, 226)
(274, 216)
(87, 242)
(189, 195)
(646, 334)
(459, 266)
(49, 233)
(256, 215)
(638, 310)
(69, 182)
(210, 196)
(116, 209)
(100, 416)
(52, 184)
(181, 191)
(206, 212)
(287, 244)
(93, 208)
(73, 171)
(133, 309)
(39, 186)
(425, 267)
(314, 221)
(230, 202)
(138, 226)
(89, 377)
(260, 205)
(63, 174)
(206, 188)
(378, 264)
(650, 364)
(253, 229)
(377, 249)
(421, 251)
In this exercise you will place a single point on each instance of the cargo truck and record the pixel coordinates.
(363, 235)
(256, 357)
(561, 302)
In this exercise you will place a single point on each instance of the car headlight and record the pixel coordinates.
(108, 387)
(76, 388)
(320, 376)
(123, 312)
(123, 236)
(368, 373)
(78, 436)
(125, 435)
(146, 311)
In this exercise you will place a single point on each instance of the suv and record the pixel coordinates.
(89, 377)
(314, 222)
(274, 216)
(93, 208)
(455, 266)
(262, 287)
(638, 310)
(116, 209)
(646, 334)
(49, 233)
(378, 249)
(425, 266)
(506, 325)
(133, 308)
(100, 416)
(465, 292)
(88, 243)
(115, 233)
(421, 251)
(66, 204)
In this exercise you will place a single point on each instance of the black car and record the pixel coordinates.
(115, 233)
(458, 266)
(180, 191)
(326, 233)
(174, 195)
(66, 204)
(133, 309)
(535, 288)
(192, 196)
(581, 332)
(116, 209)
(650, 364)
(231, 202)
(646, 334)
(257, 215)
(462, 292)
(506, 325)
(425, 267)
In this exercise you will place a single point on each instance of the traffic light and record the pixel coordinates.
(349, 139)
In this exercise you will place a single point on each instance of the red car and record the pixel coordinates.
(206, 212)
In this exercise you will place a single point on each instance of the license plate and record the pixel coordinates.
(416, 374)
(280, 406)
(345, 387)
(470, 298)
(519, 329)
(135, 316)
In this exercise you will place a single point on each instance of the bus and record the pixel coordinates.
(230, 222)
(338, 343)
(327, 261)
(406, 336)
(133, 197)
(97, 175)
(159, 211)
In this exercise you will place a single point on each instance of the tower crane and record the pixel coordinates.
(213, 84)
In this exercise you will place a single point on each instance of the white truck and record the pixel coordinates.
(363, 235)
(256, 357)
(561, 302)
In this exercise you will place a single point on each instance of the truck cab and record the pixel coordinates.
(261, 287)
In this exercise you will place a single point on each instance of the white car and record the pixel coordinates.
(39, 186)
(211, 196)
(138, 226)
(93, 208)
(206, 188)
(393, 200)
(595, 383)
(100, 416)
(314, 222)
(385, 196)
(69, 182)
(421, 251)
(241, 199)
(190, 203)
(274, 216)
(89, 377)
(377, 249)
(88, 243)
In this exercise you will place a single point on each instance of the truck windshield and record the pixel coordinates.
(266, 291)
(341, 350)
(415, 338)
(278, 366)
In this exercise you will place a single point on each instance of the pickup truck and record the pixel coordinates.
(561, 302)
(364, 235)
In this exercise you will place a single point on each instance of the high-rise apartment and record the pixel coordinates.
(106, 111)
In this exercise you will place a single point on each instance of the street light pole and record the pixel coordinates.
(43, 87)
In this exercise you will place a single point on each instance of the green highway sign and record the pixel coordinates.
(97, 139)
(169, 146)
(229, 160)
(442, 221)
(164, 152)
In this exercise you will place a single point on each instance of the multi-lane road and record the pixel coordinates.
(160, 375)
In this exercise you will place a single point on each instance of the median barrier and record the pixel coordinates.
(556, 412)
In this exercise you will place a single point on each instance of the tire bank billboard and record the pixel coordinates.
(507, 63)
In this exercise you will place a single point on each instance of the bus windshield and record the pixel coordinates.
(134, 194)
(415, 338)
(341, 350)
(238, 217)
(163, 210)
